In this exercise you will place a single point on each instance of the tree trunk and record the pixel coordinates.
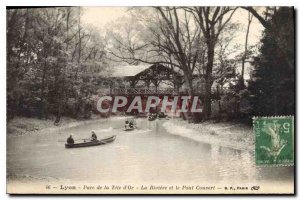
(64, 95)
(246, 47)
(42, 111)
(207, 99)
(189, 82)
(208, 77)
(79, 37)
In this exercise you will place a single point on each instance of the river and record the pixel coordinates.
(148, 154)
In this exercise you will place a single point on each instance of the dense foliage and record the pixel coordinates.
(53, 60)
(47, 49)
(272, 85)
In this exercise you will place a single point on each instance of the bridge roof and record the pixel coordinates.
(128, 70)
(134, 71)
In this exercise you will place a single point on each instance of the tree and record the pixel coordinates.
(212, 21)
(273, 30)
(43, 50)
(272, 81)
(244, 57)
(21, 53)
(168, 36)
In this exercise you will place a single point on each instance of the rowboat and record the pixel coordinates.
(130, 126)
(151, 118)
(129, 129)
(162, 115)
(92, 143)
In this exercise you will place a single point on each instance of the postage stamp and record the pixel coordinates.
(274, 140)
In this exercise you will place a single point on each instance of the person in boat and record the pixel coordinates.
(126, 124)
(70, 140)
(152, 116)
(161, 115)
(131, 124)
(94, 136)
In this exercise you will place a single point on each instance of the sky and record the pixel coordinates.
(99, 17)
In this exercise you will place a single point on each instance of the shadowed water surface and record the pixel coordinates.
(146, 155)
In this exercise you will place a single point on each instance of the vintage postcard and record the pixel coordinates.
(150, 100)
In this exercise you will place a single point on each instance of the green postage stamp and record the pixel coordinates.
(274, 140)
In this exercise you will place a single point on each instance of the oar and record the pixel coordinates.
(74, 140)
(83, 139)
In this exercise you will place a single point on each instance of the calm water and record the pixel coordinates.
(148, 154)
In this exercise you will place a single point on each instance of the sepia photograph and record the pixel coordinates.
(150, 100)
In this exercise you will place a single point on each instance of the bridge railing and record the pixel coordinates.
(149, 91)
(146, 91)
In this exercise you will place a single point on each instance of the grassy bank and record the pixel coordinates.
(22, 125)
(232, 135)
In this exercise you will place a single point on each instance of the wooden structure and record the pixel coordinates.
(155, 74)
(145, 80)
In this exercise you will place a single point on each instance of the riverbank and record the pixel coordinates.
(232, 135)
(21, 125)
(225, 134)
